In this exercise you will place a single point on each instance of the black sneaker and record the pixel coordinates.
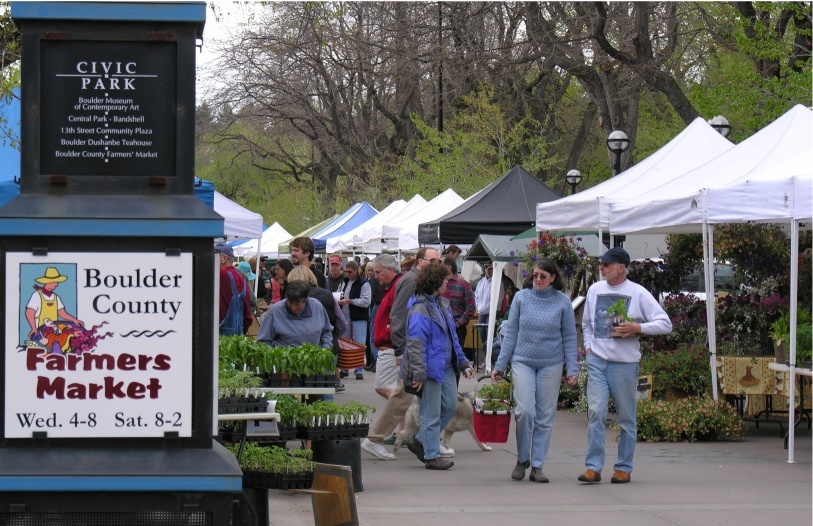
(359, 376)
(439, 463)
(339, 387)
(416, 448)
(344, 374)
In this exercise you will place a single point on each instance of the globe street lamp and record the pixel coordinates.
(617, 142)
(720, 124)
(573, 177)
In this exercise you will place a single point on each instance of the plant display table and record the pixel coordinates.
(754, 381)
(802, 409)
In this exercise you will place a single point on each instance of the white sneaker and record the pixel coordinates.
(446, 452)
(376, 450)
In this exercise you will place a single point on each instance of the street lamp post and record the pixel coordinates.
(573, 177)
(617, 142)
(720, 124)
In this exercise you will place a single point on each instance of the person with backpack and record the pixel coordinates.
(235, 304)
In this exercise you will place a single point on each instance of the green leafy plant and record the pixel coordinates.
(289, 409)
(495, 405)
(687, 420)
(618, 310)
(499, 390)
(780, 332)
(273, 459)
(687, 369)
(324, 413)
(239, 352)
(237, 383)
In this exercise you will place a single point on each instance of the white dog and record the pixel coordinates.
(461, 421)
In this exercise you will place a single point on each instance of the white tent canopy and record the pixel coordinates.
(240, 223)
(680, 206)
(590, 209)
(783, 194)
(776, 195)
(268, 243)
(407, 228)
(354, 240)
(373, 243)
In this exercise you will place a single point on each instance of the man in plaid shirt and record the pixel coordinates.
(461, 300)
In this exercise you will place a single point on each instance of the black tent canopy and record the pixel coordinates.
(505, 207)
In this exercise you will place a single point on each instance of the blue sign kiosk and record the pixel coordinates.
(108, 277)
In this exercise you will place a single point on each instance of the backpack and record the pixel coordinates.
(232, 323)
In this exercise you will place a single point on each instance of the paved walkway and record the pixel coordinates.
(740, 483)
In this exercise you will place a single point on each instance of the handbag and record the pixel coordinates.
(408, 388)
(351, 354)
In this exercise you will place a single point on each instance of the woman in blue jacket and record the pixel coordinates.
(540, 333)
(433, 354)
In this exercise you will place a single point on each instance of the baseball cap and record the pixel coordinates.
(335, 260)
(224, 249)
(616, 255)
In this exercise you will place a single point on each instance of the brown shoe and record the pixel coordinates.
(590, 476)
(620, 477)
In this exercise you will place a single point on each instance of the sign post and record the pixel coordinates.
(108, 273)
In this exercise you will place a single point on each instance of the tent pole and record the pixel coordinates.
(600, 241)
(708, 251)
(257, 270)
(496, 284)
(794, 291)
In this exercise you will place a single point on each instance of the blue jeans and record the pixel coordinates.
(536, 391)
(620, 380)
(373, 348)
(358, 331)
(438, 405)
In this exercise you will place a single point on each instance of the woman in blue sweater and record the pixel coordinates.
(541, 330)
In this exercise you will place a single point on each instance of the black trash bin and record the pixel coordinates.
(345, 452)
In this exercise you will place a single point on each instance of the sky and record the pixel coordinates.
(223, 17)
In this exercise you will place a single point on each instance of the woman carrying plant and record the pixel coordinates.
(433, 354)
(541, 330)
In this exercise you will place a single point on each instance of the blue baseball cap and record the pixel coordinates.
(223, 248)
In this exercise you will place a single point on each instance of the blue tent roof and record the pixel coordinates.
(9, 156)
(10, 113)
(354, 216)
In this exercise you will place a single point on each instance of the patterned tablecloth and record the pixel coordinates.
(750, 376)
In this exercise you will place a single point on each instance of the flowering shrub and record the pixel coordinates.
(684, 254)
(564, 251)
(689, 324)
(570, 397)
(687, 420)
(687, 368)
(744, 320)
(756, 251)
(654, 276)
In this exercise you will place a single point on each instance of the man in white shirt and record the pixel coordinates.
(612, 362)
